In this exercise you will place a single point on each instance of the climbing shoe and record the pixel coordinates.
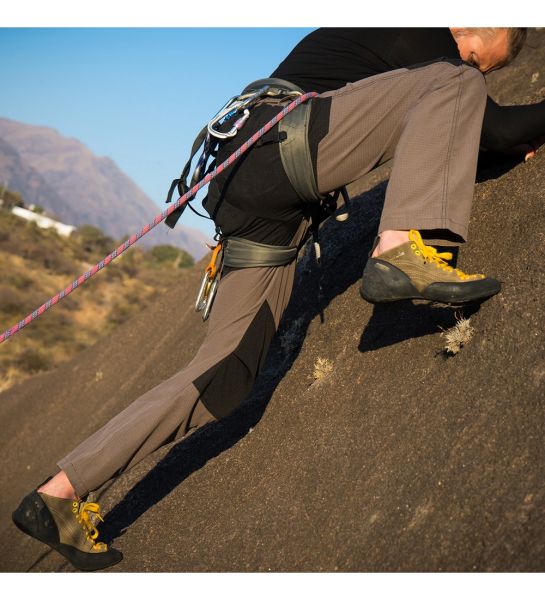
(68, 527)
(413, 270)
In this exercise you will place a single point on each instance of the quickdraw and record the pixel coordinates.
(209, 285)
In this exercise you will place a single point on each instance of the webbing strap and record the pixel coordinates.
(294, 149)
(181, 183)
(295, 154)
(242, 253)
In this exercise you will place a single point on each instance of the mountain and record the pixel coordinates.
(400, 458)
(63, 176)
(21, 176)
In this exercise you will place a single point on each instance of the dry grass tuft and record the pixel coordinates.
(322, 368)
(458, 336)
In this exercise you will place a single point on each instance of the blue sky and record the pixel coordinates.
(138, 96)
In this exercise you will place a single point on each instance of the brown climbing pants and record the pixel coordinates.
(428, 120)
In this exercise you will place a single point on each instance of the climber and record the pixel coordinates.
(372, 108)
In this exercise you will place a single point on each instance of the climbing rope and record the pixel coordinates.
(160, 217)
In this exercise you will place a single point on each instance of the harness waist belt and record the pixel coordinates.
(241, 253)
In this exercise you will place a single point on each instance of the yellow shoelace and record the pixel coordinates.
(430, 253)
(82, 510)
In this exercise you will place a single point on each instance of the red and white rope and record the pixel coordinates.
(160, 217)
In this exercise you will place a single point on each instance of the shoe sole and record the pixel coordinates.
(383, 282)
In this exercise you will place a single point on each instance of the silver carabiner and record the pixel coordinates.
(209, 285)
(200, 303)
(210, 298)
(228, 108)
(235, 104)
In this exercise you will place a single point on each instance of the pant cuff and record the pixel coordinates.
(76, 481)
(443, 232)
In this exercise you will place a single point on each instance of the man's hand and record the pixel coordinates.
(531, 148)
(527, 150)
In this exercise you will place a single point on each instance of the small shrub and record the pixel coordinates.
(93, 241)
(130, 262)
(458, 336)
(58, 263)
(32, 361)
(11, 300)
(164, 254)
(113, 272)
(19, 280)
(10, 199)
(119, 314)
(322, 368)
(52, 328)
(135, 297)
(30, 249)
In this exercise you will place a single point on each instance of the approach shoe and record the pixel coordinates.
(413, 270)
(68, 527)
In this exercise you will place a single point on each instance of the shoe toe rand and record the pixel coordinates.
(468, 290)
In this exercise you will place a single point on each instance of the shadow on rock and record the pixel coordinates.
(400, 321)
(493, 165)
(183, 459)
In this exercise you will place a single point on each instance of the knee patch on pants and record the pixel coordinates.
(225, 385)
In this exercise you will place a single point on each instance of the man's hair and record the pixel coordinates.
(516, 36)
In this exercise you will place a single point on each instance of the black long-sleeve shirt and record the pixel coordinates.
(329, 58)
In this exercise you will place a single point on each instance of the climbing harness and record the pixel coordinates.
(180, 203)
(297, 162)
(240, 253)
(232, 251)
(238, 108)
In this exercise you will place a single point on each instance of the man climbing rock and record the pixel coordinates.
(415, 103)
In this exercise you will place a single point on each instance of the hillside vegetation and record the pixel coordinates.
(37, 263)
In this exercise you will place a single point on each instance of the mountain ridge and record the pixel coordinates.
(81, 187)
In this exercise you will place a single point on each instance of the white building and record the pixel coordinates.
(43, 221)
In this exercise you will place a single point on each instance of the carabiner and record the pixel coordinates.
(234, 105)
(198, 173)
(207, 291)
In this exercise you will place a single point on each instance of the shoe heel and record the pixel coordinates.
(382, 282)
(33, 518)
(17, 521)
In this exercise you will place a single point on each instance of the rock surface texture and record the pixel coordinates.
(398, 458)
